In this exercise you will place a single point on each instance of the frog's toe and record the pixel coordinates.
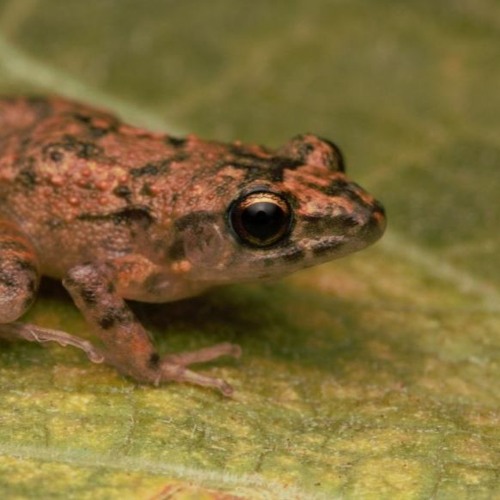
(177, 373)
(34, 333)
(204, 355)
(173, 366)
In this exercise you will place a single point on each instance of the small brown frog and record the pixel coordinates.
(118, 213)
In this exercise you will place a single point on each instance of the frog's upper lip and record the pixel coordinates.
(365, 223)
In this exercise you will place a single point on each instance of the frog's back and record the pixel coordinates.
(76, 177)
(18, 116)
(73, 151)
(33, 134)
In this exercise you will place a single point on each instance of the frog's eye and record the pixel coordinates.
(260, 219)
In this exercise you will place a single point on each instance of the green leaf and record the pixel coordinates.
(375, 376)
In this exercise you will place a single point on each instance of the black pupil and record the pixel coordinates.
(263, 220)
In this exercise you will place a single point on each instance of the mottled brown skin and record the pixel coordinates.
(118, 213)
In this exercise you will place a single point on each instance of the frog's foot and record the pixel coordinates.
(33, 333)
(173, 367)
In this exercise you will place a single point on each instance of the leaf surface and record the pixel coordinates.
(375, 376)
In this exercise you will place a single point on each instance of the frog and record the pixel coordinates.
(119, 213)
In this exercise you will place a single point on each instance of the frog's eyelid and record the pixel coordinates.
(314, 150)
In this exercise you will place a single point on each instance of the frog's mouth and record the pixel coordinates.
(330, 237)
(346, 235)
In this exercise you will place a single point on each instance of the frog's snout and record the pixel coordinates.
(375, 223)
(347, 222)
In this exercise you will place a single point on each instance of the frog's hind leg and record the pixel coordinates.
(19, 276)
(19, 280)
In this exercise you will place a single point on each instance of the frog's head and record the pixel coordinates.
(286, 211)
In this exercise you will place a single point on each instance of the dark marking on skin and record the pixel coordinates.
(153, 281)
(106, 322)
(98, 132)
(95, 132)
(326, 247)
(175, 141)
(25, 265)
(195, 219)
(122, 191)
(296, 255)
(328, 225)
(336, 188)
(303, 147)
(221, 189)
(280, 165)
(127, 216)
(337, 161)
(331, 156)
(269, 261)
(146, 190)
(260, 168)
(89, 297)
(32, 285)
(345, 221)
(110, 288)
(11, 269)
(7, 278)
(70, 282)
(84, 150)
(25, 143)
(13, 245)
(116, 316)
(41, 106)
(285, 248)
(158, 167)
(134, 215)
(27, 175)
(149, 169)
(71, 144)
(22, 287)
(304, 150)
(87, 150)
(56, 156)
(53, 152)
(340, 188)
(371, 229)
(176, 250)
(82, 118)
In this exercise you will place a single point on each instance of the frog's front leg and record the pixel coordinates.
(127, 345)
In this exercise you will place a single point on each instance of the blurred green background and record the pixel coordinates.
(375, 376)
